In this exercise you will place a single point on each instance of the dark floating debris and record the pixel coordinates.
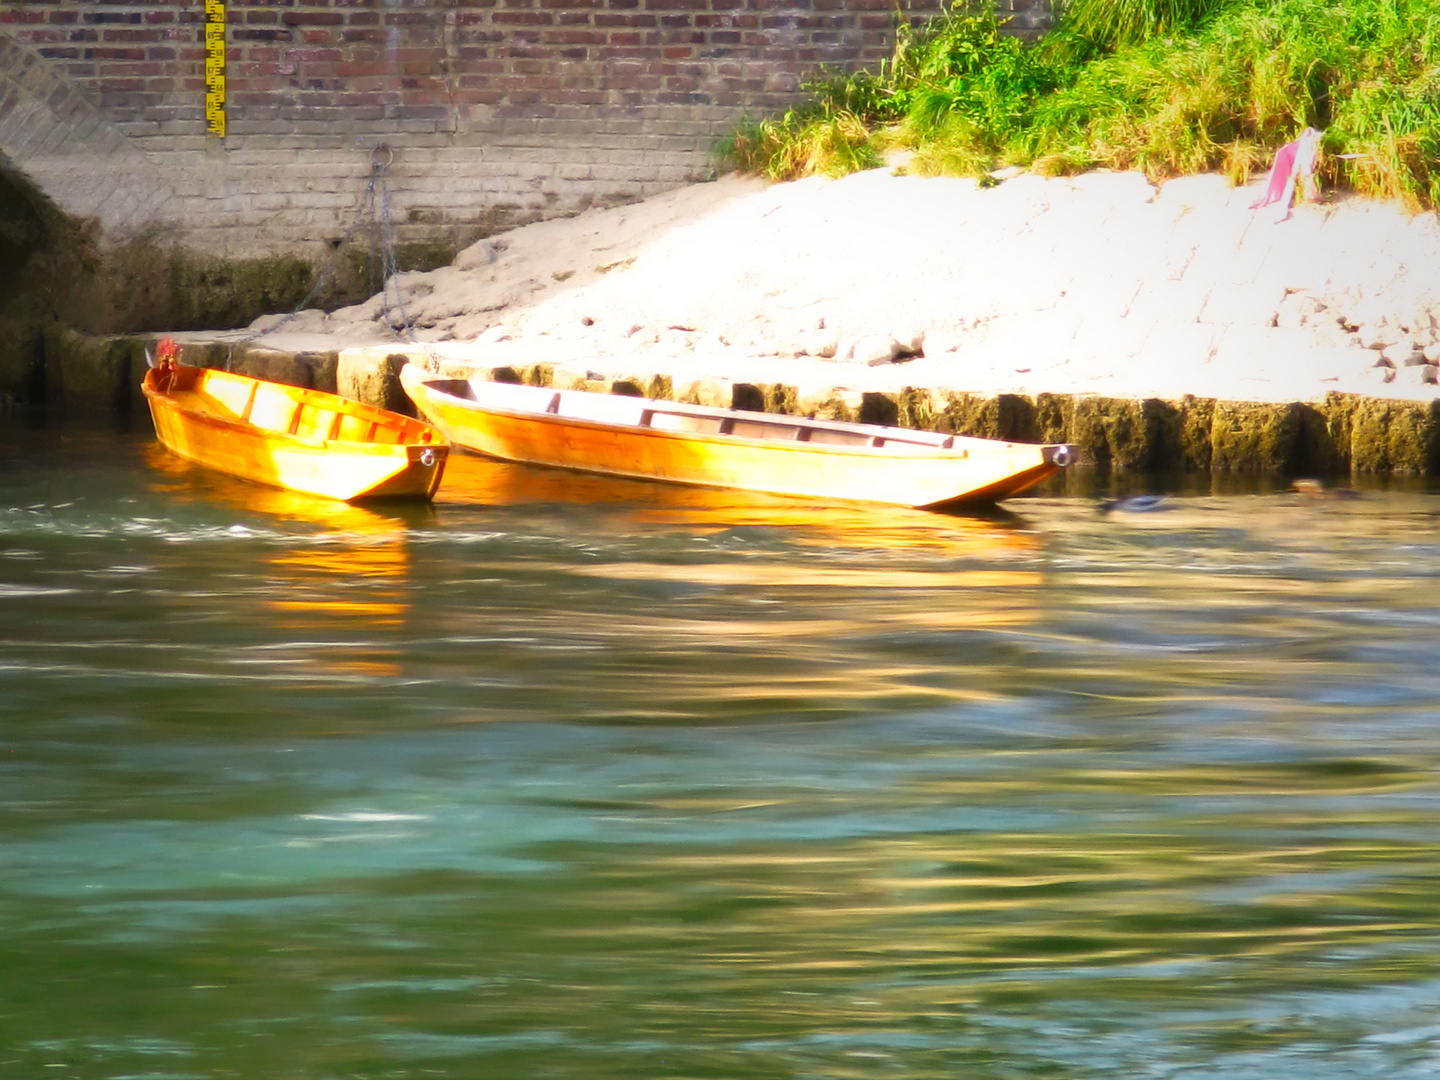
(1134, 504)
(1316, 490)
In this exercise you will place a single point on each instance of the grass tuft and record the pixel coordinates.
(1168, 87)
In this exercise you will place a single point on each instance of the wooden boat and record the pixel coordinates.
(732, 448)
(290, 437)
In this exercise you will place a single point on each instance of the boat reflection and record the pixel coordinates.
(471, 480)
(182, 481)
(341, 581)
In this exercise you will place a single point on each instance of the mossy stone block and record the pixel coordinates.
(22, 361)
(1127, 433)
(916, 408)
(1053, 414)
(1247, 437)
(781, 398)
(1195, 418)
(1317, 452)
(712, 392)
(1394, 436)
(1162, 420)
(1015, 418)
(765, 397)
(524, 375)
(1089, 429)
(661, 388)
(93, 373)
(1339, 413)
(217, 295)
(324, 369)
(375, 381)
(207, 354)
(835, 406)
(747, 396)
(968, 414)
(313, 371)
(876, 408)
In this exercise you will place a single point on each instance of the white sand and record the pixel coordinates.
(1093, 284)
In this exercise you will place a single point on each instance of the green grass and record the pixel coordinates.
(1168, 87)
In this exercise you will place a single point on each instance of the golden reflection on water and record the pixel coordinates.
(1018, 902)
(358, 587)
(656, 507)
(182, 481)
(353, 576)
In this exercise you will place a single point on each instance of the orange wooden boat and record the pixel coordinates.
(290, 437)
(732, 448)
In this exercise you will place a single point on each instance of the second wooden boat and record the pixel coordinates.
(733, 448)
(290, 437)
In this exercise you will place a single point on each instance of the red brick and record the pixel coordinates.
(131, 35)
(312, 18)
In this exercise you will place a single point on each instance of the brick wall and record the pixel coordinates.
(498, 111)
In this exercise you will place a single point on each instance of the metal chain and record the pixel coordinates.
(389, 270)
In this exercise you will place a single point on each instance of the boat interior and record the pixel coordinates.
(295, 411)
(690, 419)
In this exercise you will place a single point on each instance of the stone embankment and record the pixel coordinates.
(1155, 327)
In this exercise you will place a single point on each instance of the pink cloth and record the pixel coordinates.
(1294, 163)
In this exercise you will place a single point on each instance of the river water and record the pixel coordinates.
(573, 778)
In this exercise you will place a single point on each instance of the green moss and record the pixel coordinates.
(915, 408)
(968, 414)
(765, 397)
(835, 407)
(425, 255)
(1391, 436)
(1255, 437)
(1128, 435)
(220, 295)
(1195, 418)
(94, 373)
(1006, 416)
(1015, 418)
(1053, 413)
(526, 374)
(1339, 410)
(1089, 430)
(780, 398)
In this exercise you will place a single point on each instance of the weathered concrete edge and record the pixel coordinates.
(1346, 433)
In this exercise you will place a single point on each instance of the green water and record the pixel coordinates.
(567, 778)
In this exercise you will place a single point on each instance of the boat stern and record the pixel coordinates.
(420, 477)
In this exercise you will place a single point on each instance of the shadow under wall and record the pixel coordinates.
(38, 244)
(58, 273)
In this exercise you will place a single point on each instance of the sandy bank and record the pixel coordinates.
(1098, 284)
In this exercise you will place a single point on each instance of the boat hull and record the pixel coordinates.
(293, 438)
(655, 440)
